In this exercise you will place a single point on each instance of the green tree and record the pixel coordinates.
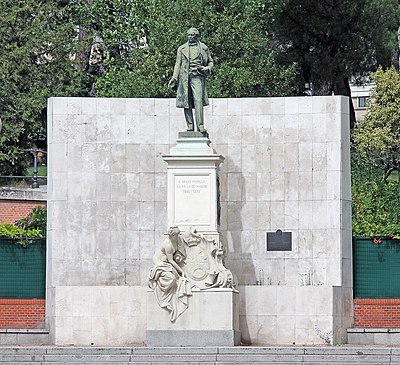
(334, 40)
(375, 201)
(36, 62)
(245, 63)
(378, 135)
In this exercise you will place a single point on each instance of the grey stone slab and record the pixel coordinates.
(380, 351)
(174, 350)
(376, 330)
(8, 339)
(261, 350)
(89, 350)
(12, 359)
(251, 362)
(347, 359)
(387, 339)
(84, 363)
(11, 193)
(177, 357)
(242, 359)
(32, 339)
(24, 362)
(87, 358)
(33, 351)
(192, 338)
(355, 362)
(172, 362)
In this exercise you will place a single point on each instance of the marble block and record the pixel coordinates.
(212, 320)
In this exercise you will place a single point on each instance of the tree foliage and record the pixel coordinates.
(36, 42)
(375, 201)
(378, 135)
(335, 39)
(245, 63)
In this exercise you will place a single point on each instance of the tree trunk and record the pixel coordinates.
(341, 86)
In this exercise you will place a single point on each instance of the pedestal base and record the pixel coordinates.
(212, 319)
(192, 338)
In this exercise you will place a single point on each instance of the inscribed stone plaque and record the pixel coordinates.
(192, 200)
(279, 241)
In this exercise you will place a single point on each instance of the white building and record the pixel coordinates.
(359, 96)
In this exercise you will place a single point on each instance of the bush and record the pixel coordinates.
(37, 220)
(27, 229)
(23, 237)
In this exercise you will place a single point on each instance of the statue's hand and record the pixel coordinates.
(203, 68)
(172, 83)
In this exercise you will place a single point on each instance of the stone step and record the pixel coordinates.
(47, 355)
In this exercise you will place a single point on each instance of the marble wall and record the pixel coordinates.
(286, 167)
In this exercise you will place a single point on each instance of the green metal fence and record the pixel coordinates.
(22, 270)
(376, 267)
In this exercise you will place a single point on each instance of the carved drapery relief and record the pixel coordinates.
(167, 279)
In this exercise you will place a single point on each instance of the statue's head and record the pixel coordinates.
(193, 35)
(173, 231)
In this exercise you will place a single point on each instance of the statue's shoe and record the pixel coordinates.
(202, 129)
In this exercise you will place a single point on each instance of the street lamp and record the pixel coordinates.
(34, 151)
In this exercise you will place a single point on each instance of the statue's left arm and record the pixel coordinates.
(208, 62)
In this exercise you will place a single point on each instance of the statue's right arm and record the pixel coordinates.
(175, 75)
(169, 251)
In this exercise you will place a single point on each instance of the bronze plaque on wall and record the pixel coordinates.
(279, 241)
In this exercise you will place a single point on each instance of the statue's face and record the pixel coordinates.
(174, 232)
(192, 36)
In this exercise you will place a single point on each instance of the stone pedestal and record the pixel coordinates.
(212, 314)
(212, 319)
(192, 184)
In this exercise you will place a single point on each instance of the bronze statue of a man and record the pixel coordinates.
(193, 64)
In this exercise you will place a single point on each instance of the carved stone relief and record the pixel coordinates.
(186, 262)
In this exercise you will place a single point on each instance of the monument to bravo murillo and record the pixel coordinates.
(189, 273)
(237, 230)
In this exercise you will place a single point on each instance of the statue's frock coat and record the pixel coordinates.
(181, 74)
